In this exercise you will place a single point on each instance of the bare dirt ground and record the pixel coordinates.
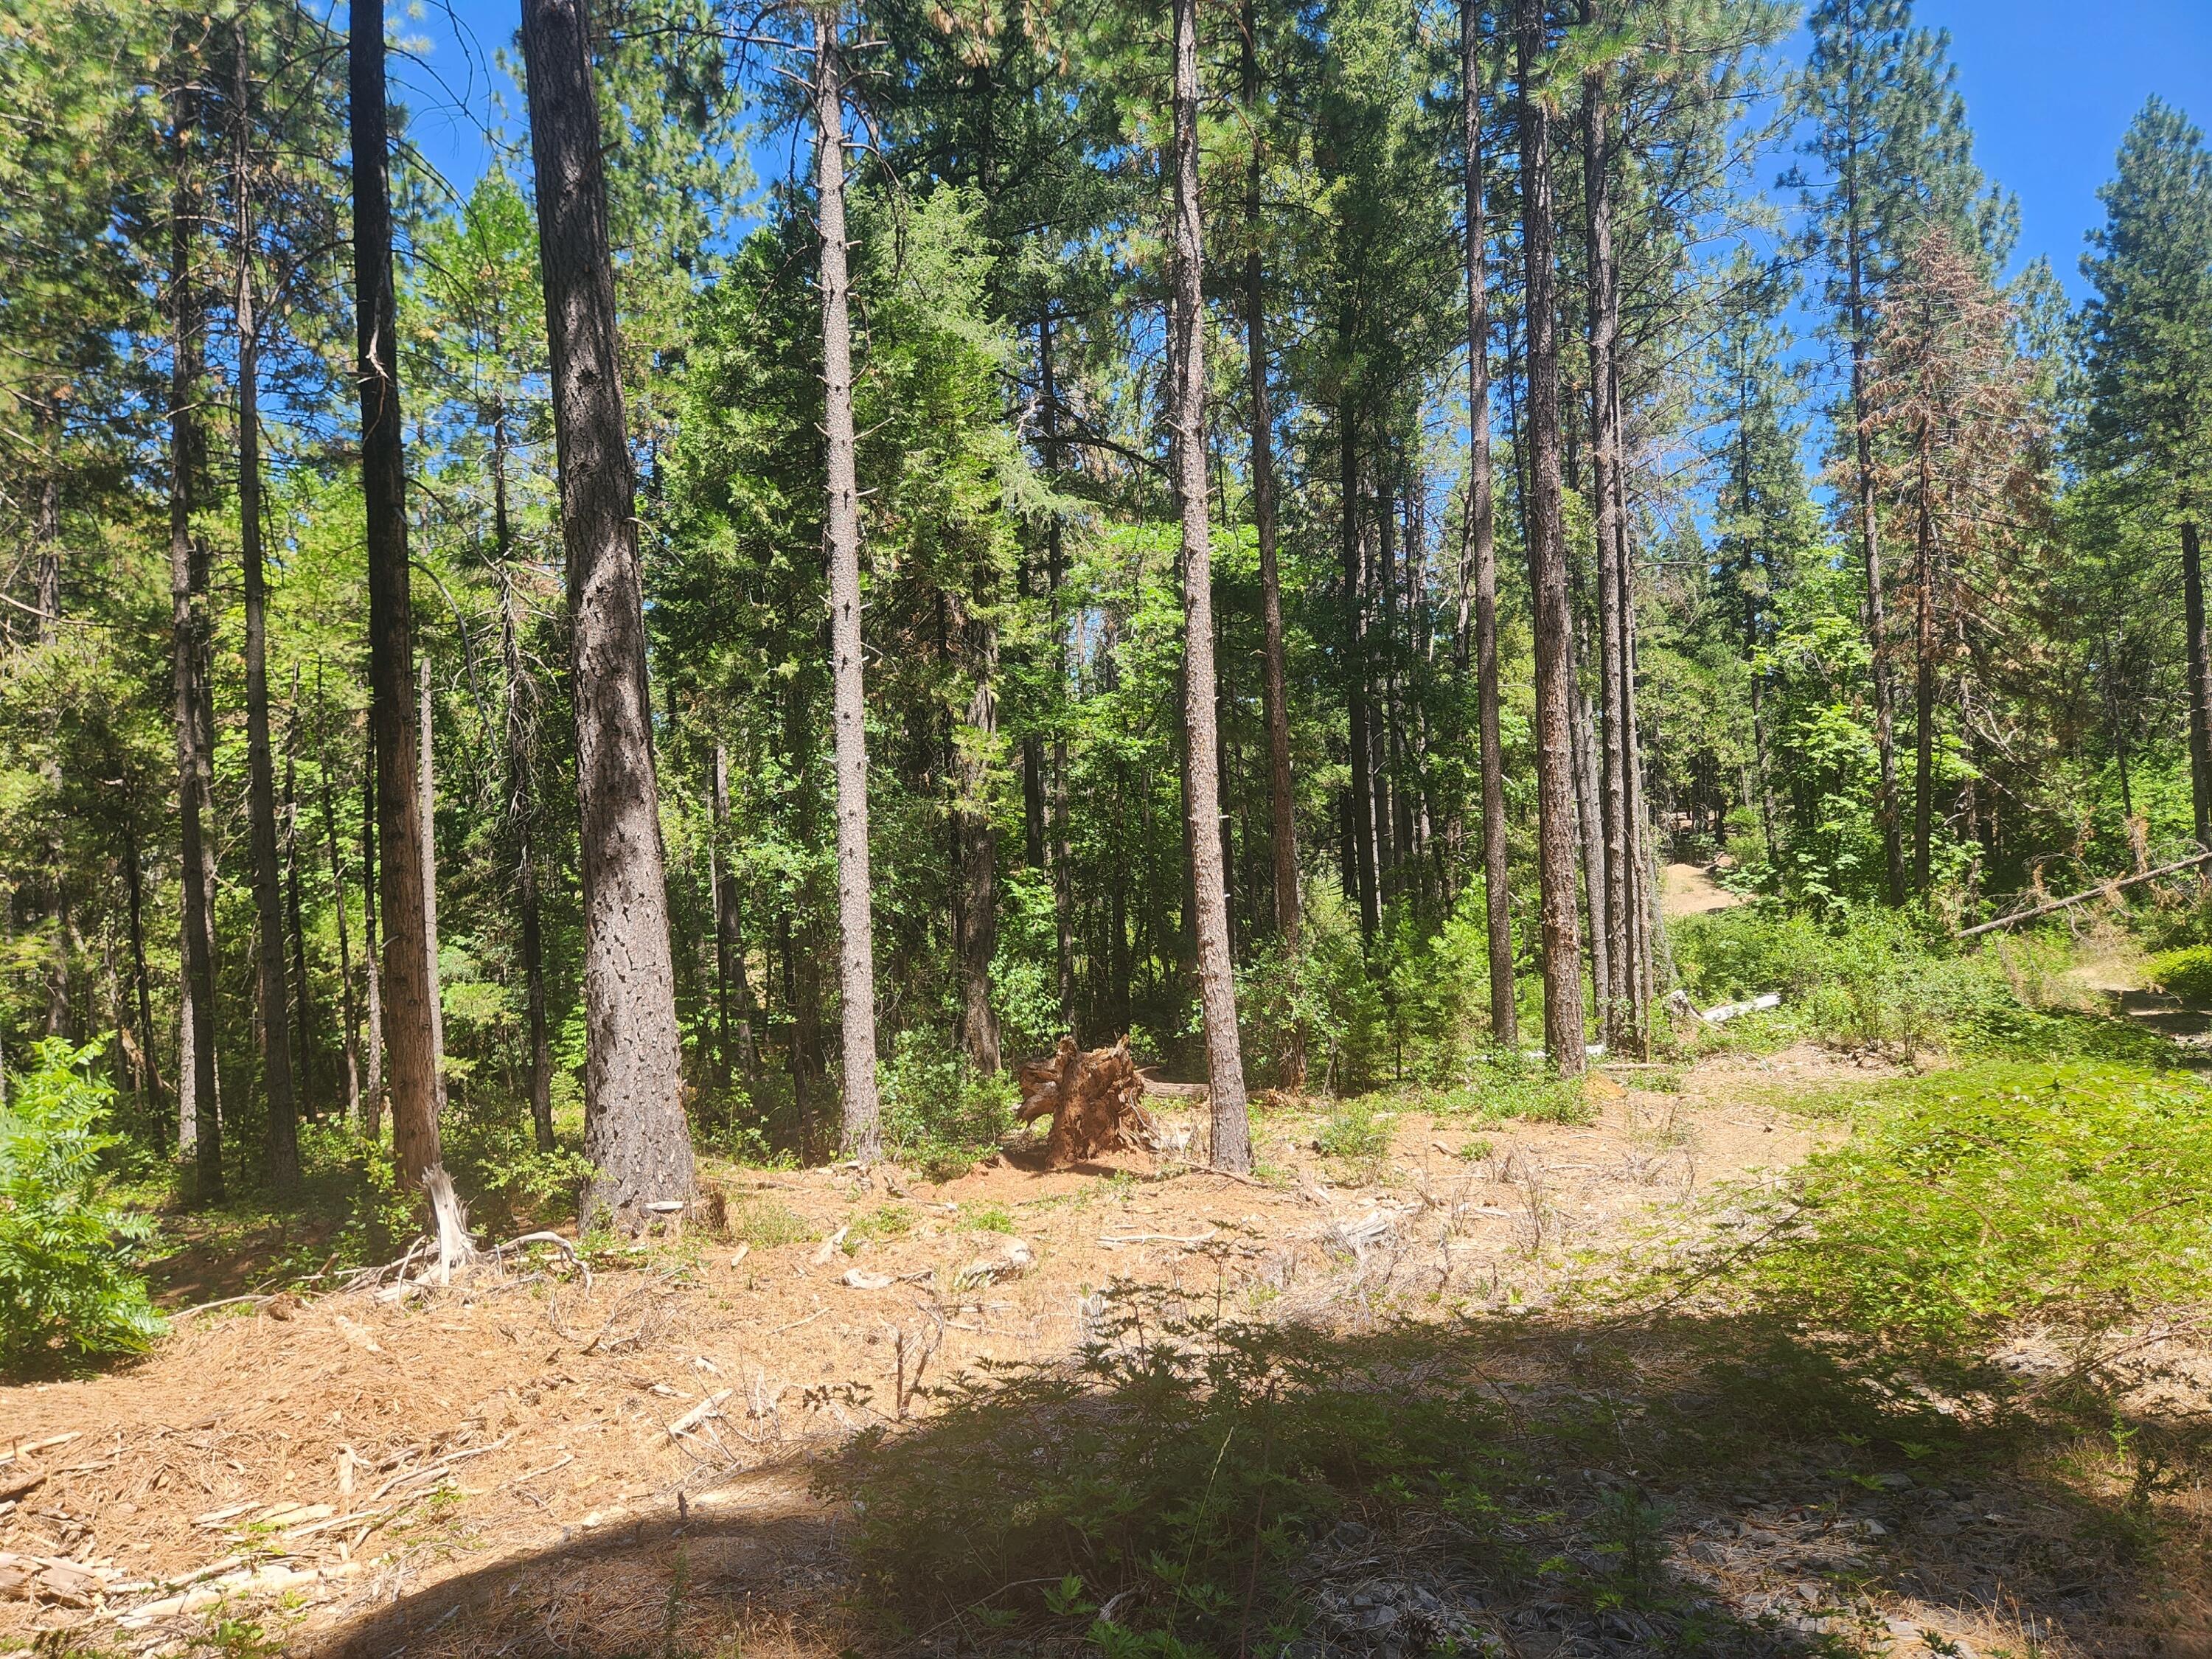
(1689, 890)
(531, 1466)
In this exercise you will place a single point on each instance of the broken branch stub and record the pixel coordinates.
(1095, 1100)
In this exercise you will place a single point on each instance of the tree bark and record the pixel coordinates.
(135, 890)
(2200, 681)
(1610, 900)
(862, 1134)
(1225, 1061)
(282, 1146)
(1481, 551)
(1063, 882)
(1282, 799)
(426, 782)
(408, 996)
(1547, 575)
(199, 1127)
(635, 1130)
(302, 987)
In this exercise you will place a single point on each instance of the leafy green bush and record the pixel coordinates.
(1502, 1086)
(66, 1258)
(2186, 973)
(1975, 1200)
(938, 1114)
(1190, 1464)
(1359, 1130)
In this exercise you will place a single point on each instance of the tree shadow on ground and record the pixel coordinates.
(1538, 1487)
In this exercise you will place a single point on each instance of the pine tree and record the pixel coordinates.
(635, 1131)
(2149, 370)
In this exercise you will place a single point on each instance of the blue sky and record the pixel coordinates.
(2050, 87)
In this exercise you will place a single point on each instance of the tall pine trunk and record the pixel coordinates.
(1063, 876)
(1360, 747)
(1923, 663)
(1224, 1060)
(522, 814)
(1610, 903)
(1282, 799)
(372, 958)
(199, 1129)
(276, 996)
(2200, 681)
(408, 996)
(1547, 573)
(635, 1130)
(1479, 572)
(862, 1134)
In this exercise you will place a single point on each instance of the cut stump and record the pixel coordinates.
(1095, 1100)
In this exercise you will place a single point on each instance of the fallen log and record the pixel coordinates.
(2101, 890)
(1095, 1100)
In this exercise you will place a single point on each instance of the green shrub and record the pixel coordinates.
(1998, 1195)
(67, 1259)
(1359, 1130)
(1500, 1085)
(2186, 973)
(938, 1114)
(764, 1223)
(987, 1218)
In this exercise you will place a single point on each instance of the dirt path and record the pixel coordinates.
(1689, 890)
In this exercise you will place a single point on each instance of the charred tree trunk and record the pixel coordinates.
(408, 996)
(862, 1134)
(1547, 575)
(635, 1129)
(1225, 1061)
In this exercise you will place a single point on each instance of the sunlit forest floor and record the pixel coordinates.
(1433, 1382)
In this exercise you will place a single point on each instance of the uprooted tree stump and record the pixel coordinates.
(1095, 1100)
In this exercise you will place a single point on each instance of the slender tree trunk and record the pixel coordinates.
(729, 942)
(1610, 899)
(1877, 617)
(1225, 1061)
(1924, 674)
(862, 1134)
(142, 982)
(1360, 745)
(1063, 889)
(302, 989)
(1478, 579)
(2200, 681)
(1282, 799)
(275, 997)
(975, 859)
(1547, 575)
(408, 996)
(1591, 828)
(635, 1130)
(425, 783)
(372, 959)
(522, 811)
(199, 1127)
(349, 1011)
